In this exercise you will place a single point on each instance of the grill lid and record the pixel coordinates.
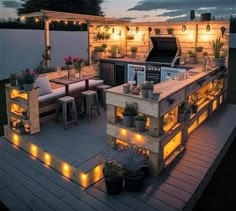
(165, 49)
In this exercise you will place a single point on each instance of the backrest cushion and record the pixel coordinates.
(44, 85)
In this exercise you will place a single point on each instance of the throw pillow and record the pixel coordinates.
(44, 85)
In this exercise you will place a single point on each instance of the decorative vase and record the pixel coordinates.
(77, 75)
(140, 125)
(114, 185)
(28, 87)
(144, 93)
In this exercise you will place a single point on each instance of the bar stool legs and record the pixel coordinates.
(69, 113)
(90, 96)
(102, 94)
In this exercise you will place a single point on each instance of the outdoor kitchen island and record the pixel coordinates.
(165, 134)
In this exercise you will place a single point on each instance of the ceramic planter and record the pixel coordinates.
(114, 185)
(28, 87)
(140, 125)
(144, 93)
(218, 62)
(128, 121)
(134, 184)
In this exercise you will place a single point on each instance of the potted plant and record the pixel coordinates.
(21, 128)
(218, 53)
(20, 81)
(157, 31)
(130, 110)
(194, 105)
(24, 114)
(140, 122)
(113, 174)
(145, 88)
(126, 88)
(12, 79)
(192, 57)
(170, 31)
(133, 160)
(78, 63)
(115, 51)
(198, 50)
(99, 51)
(133, 50)
(135, 89)
(29, 76)
(184, 112)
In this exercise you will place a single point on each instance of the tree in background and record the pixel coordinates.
(89, 7)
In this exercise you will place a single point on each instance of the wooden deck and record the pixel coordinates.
(26, 183)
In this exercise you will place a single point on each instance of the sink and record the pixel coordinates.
(184, 76)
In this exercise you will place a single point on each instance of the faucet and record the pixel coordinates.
(206, 62)
(177, 58)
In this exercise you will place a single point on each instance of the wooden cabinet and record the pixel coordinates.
(22, 108)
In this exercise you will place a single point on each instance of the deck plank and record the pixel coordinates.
(8, 197)
(68, 186)
(23, 193)
(167, 188)
(126, 198)
(107, 199)
(44, 190)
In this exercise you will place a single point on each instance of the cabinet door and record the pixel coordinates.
(107, 73)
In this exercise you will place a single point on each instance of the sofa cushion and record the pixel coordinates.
(44, 85)
(55, 93)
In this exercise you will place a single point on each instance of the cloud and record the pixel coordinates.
(177, 8)
(11, 4)
(127, 18)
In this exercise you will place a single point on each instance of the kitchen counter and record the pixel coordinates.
(165, 134)
(169, 87)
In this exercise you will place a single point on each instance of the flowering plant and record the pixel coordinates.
(78, 63)
(29, 76)
(68, 61)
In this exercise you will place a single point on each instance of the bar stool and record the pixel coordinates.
(69, 113)
(91, 98)
(102, 94)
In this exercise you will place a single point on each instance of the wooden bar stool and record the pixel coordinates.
(91, 98)
(102, 94)
(69, 113)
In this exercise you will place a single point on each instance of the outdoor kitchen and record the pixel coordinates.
(124, 54)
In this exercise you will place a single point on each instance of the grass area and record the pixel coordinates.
(220, 192)
(3, 110)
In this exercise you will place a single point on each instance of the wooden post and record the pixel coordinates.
(47, 39)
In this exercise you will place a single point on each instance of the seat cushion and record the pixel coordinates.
(44, 85)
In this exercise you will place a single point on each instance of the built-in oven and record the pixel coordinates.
(136, 73)
(153, 73)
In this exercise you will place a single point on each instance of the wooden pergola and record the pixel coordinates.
(47, 16)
